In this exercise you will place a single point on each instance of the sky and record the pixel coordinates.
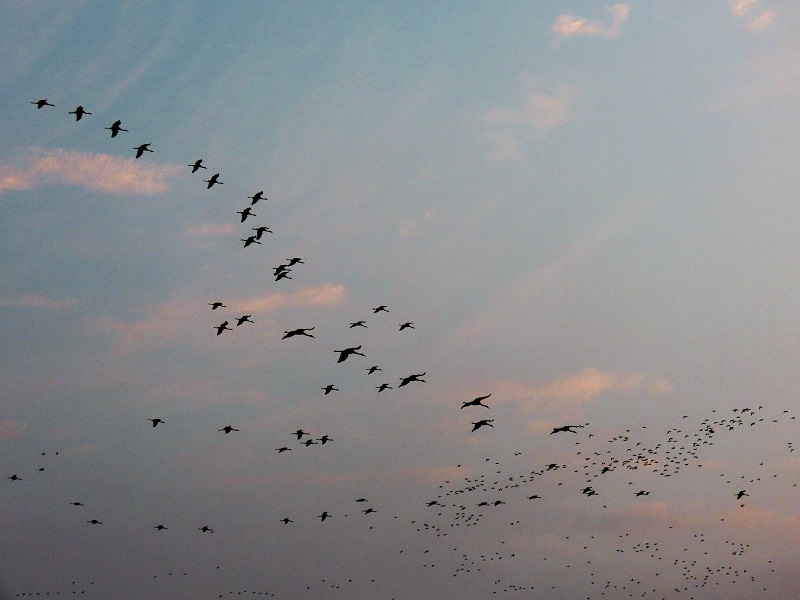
(586, 210)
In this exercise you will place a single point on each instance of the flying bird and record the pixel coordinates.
(94, 522)
(251, 240)
(115, 128)
(482, 423)
(155, 421)
(222, 327)
(198, 164)
(79, 112)
(344, 354)
(243, 319)
(476, 402)
(15, 477)
(294, 332)
(227, 429)
(294, 261)
(381, 308)
(216, 305)
(371, 370)
(324, 515)
(283, 449)
(214, 180)
(160, 527)
(261, 231)
(408, 325)
(282, 275)
(383, 386)
(565, 428)
(142, 149)
(329, 388)
(205, 529)
(286, 521)
(410, 378)
(247, 212)
(256, 197)
(300, 433)
(325, 439)
(42, 103)
(358, 324)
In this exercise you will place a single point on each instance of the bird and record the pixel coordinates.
(222, 327)
(282, 275)
(142, 149)
(367, 511)
(300, 433)
(198, 164)
(15, 477)
(286, 520)
(642, 493)
(294, 261)
(294, 332)
(310, 442)
(214, 180)
(251, 240)
(243, 319)
(410, 378)
(324, 515)
(115, 128)
(565, 428)
(42, 103)
(205, 529)
(76, 504)
(482, 423)
(261, 231)
(283, 449)
(94, 522)
(325, 439)
(408, 325)
(740, 494)
(344, 354)
(358, 324)
(383, 386)
(227, 429)
(79, 112)
(361, 500)
(216, 305)
(476, 402)
(155, 421)
(329, 388)
(280, 269)
(371, 370)
(381, 308)
(247, 212)
(256, 197)
(160, 527)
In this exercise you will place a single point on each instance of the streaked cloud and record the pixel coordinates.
(36, 300)
(326, 294)
(98, 172)
(743, 11)
(569, 26)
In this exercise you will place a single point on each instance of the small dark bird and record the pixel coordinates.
(159, 527)
(410, 378)
(94, 522)
(358, 324)
(76, 504)
(286, 521)
(261, 231)
(300, 433)
(294, 332)
(381, 308)
(15, 477)
(384, 386)
(294, 261)
(222, 327)
(740, 494)
(246, 213)
(227, 429)
(205, 529)
(408, 325)
(368, 511)
(198, 164)
(42, 103)
(329, 388)
(214, 179)
(216, 305)
(482, 423)
(115, 128)
(344, 354)
(325, 439)
(476, 402)
(310, 442)
(255, 198)
(79, 112)
(534, 497)
(642, 493)
(324, 515)
(283, 449)
(251, 240)
(282, 275)
(142, 149)
(371, 370)
(281, 269)
(361, 500)
(565, 428)
(243, 319)
(155, 421)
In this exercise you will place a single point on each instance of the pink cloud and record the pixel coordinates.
(568, 26)
(326, 294)
(36, 300)
(539, 111)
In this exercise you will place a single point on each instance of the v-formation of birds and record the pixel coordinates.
(476, 497)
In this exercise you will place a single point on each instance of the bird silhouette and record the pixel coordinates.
(329, 388)
(294, 261)
(325, 515)
(213, 181)
(155, 421)
(205, 529)
(95, 522)
(42, 103)
(381, 308)
(408, 325)
(247, 212)
(216, 305)
(740, 494)
(256, 197)
(282, 275)
(76, 504)
(371, 370)
(358, 324)
(300, 433)
(283, 449)
(261, 231)
(222, 327)
(227, 429)
(410, 378)
(384, 386)
(251, 240)
(142, 149)
(565, 428)
(15, 477)
(198, 164)
(243, 319)
(476, 402)
(115, 128)
(79, 112)
(294, 332)
(344, 354)
(286, 521)
(482, 423)
(160, 527)
(325, 439)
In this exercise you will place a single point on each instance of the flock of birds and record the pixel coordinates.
(599, 476)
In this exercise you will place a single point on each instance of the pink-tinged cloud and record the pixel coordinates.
(327, 294)
(741, 10)
(98, 172)
(540, 110)
(10, 430)
(168, 322)
(36, 300)
(569, 26)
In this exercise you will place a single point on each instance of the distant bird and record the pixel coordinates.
(206, 529)
(368, 511)
(216, 305)
(482, 423)
(79, 112)
(261, 231)
(534, 497)
(286, 521)
(300, 433)
(42, 103)
(198, 164)
(362, 500)
(256, 197)
(344, 354)
(142, 149)
(565, 428)
(247, 212)
(642, 493)
(251, 240)
(115, 128)
(740, 494)
(214, 180)
(325, 439)
(243, 319)
(294, 261)
(381, 308)
(294, 332)
(329, 388)
(160, 527)
(433, 503)
(282, 275)
(358, 324)
(283, 449)
(76, 504)
(15, 477)
(371, 370)
(410, 378)
(281, 269)
(408, 325)
(476, 402)
(94, 522)
(227, 429)
(384, 386)
(325, 515)
(155, 421)
(310, 442)
(222, 327)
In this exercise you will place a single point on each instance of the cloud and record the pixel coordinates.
(98, 172)
(36, 300)
(208, 230)
(741, 10)
(326, 294)
(569, 26)
(12, 429)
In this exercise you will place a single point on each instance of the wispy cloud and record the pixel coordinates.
(309, 296)
(35, 300)
(98, 172)
(569, 26)
(743, 11)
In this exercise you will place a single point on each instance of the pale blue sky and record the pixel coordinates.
(588, 210)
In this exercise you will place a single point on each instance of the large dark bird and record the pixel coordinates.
(476, 402)
(79, 112)
(294, 332)
(197, 165)
(343, 354)
(115, 128)
(42, 103)
(214, 179)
